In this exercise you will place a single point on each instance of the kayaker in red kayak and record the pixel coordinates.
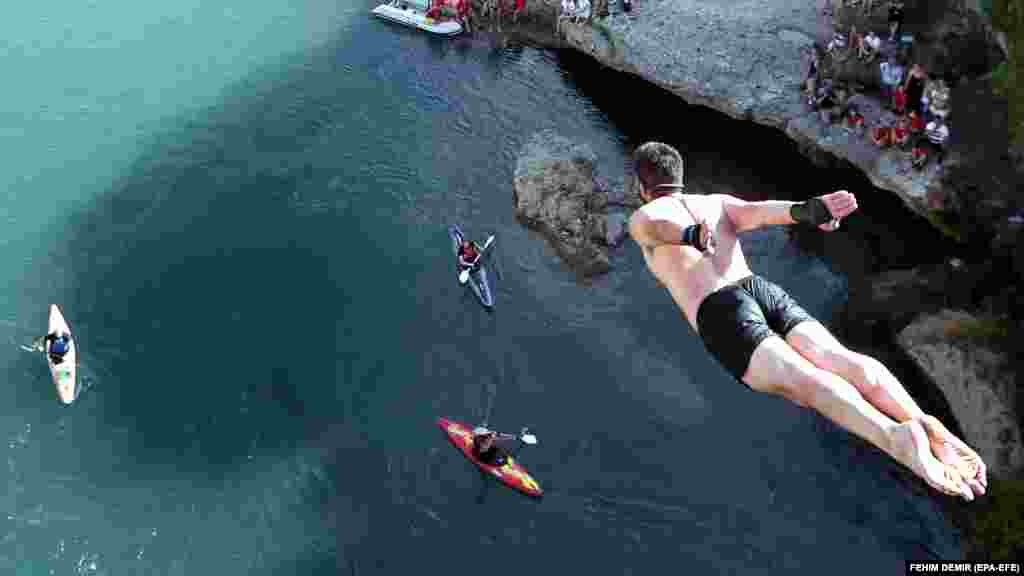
(468, 254)
(758, 333)
(485, 447)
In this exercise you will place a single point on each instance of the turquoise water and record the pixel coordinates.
(242, 210)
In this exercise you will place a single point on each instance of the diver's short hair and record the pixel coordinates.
(658, 163)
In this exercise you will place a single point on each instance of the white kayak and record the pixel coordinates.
(64, 377)
(408, 14)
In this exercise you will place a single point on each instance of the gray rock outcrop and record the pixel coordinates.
(558, 193)
(977, 382)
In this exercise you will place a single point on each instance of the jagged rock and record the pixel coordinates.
(556, 192)
(977, 381)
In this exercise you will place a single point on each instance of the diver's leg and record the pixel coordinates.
(776, 368)
(733, 326)
(871, 378)
(884, 391)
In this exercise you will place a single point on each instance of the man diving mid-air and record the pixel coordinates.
(760, 334)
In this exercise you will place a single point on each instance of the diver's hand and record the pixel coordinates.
(840, 204)
(707, 238)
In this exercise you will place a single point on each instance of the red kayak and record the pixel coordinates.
(510, 473)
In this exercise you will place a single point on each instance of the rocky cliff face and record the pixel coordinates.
(977, 380)
(747, 59)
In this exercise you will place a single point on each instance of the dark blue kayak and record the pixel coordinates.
(478, 277)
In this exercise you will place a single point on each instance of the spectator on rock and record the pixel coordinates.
(854, 121)
(901, 132)
(899, 101)
(841, 104)
(916, 122)
(567, 13)
(826, 103)
(895, 19)
(937, 93)
(914, 88)
(568, 9)
(936, 136)
(856, 39)
(813, 74)
(582, 10)
(882, 135)
(869, 46)
(918, 156)
(892, 76)
(836, 45)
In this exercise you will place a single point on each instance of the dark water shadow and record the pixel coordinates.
(195, 337)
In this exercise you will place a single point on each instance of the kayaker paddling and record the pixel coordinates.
(471, 266)
(763, 337)
(485, 447)
(480, 445)
(57, 345)
(468, 254)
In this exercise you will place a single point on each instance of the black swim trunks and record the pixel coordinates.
(733, 320)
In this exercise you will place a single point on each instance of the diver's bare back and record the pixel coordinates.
(687, 274)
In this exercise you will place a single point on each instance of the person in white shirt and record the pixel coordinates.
(582, 10)
(931, 143)
(892, 77)
(869, 47)
(937, 134)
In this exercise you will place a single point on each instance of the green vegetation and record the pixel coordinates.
(981, 328)
(999, 524)
(1001, 80)
(946, 222)
(602, 26)
(1008, 16)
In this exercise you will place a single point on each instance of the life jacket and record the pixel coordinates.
(59, 346)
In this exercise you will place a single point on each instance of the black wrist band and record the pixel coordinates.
(813, 212)
(691, 236)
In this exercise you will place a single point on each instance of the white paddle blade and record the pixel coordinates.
(529, 439)
(464, 276)
(489, 240)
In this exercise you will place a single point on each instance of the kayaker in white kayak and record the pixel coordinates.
(485, 447)
(57, 345)
(763, 337)
(468, 254)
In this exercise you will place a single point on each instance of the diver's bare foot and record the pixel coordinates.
(911, 448)
(953, 452)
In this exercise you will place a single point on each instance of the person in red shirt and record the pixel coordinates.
(901, 132)
(916, 123)
(899, 100)
(882, 136)
(855, 120)
(468, 254)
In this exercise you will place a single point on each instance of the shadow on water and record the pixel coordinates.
(196, 267)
